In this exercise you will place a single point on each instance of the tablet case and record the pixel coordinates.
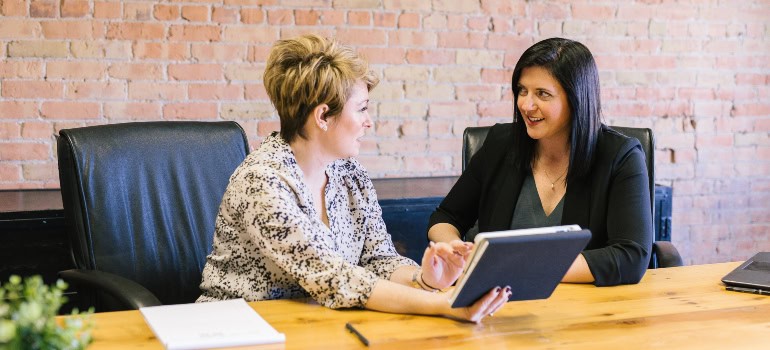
(531, 261)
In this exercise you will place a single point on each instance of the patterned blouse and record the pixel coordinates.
(270, 242)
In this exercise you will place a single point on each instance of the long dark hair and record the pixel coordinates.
(573, 66)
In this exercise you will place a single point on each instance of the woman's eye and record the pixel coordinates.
(364, 109)
(522, 92)
(544, 94)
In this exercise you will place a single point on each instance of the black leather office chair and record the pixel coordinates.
(664, 254)
(140, 200)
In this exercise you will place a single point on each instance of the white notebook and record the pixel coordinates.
(208, 325)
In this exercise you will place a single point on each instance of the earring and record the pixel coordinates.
(324, 127)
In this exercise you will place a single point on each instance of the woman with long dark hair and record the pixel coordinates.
(558, 164)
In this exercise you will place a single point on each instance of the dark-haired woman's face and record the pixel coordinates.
(543, 105)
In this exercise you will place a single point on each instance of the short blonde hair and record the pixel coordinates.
(307, 71)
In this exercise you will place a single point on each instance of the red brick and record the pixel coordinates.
(149, 90)
(194, 111)
(504, 7)
(195, 71)
(252, 16)
(164, 50)
(307, 17)
(138, 11)
(461, 40)
(135, 31)
(280, 17)
(36, 130)
(456, 23)
(110, 90)
(385, 19)
(108, 10)
(13, 8)
(404, 38)
(409, 20)
(360, 37)
(74, 8)
(224, 15)
(32, 89)
(68, 30)
(9, 130)
(409, 145)
(9, 172)
(452, 109)
(417, 56)
(167, 12)
(13, 28)
(593, 12)
(251, 35)
(215, 92)
(20, 69)
(40, 171)
(258, 53)
(70, 110)
(496, 76)
(384, 166)
(43, 8)
(24, 151)
(219, 52)
(75, 70)
(133, 110)
(333, 17)
(478, 93)
(496, 109)
(359, 18)
(195, 13)
(425, 165)
(38, 48)
(255, 92)
(194, 33)
(136, 71)
(18, 109)
(266, 127)
(377, 55)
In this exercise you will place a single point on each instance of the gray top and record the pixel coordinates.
(529, 210)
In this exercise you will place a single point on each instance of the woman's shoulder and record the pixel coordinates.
(272, 159)
(613, 144)
(351, 171)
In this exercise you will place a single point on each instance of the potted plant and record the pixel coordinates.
(28, 309)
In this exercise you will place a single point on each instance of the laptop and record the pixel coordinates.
(753, 276)
(531, 261)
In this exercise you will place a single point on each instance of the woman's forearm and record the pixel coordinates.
(443, 233)
(390, 296)
(579, 272)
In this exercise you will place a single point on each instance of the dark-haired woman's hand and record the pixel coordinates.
(444, 262)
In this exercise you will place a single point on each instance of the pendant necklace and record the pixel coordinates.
(553, 183)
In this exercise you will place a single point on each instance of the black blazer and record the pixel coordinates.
(613, 201)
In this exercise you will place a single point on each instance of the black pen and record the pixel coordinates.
(357, 333)
(748, 290)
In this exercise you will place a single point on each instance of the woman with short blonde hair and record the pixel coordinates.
(300, 216)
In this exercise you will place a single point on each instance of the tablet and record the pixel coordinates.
(531, 261)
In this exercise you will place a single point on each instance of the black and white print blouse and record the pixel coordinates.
(270, 243)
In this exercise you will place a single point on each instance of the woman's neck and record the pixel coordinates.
(311, 160)
(552, 151)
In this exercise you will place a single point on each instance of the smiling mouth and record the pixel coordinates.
(534, 120)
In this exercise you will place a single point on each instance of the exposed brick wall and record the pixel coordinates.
(697, 72)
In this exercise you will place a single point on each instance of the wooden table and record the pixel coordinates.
(675, 308)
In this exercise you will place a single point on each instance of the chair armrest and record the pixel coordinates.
(667, 254)
(126, 291)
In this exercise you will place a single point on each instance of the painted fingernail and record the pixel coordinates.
(497, 290)
(508, 289)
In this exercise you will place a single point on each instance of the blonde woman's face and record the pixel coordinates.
(347, 129)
